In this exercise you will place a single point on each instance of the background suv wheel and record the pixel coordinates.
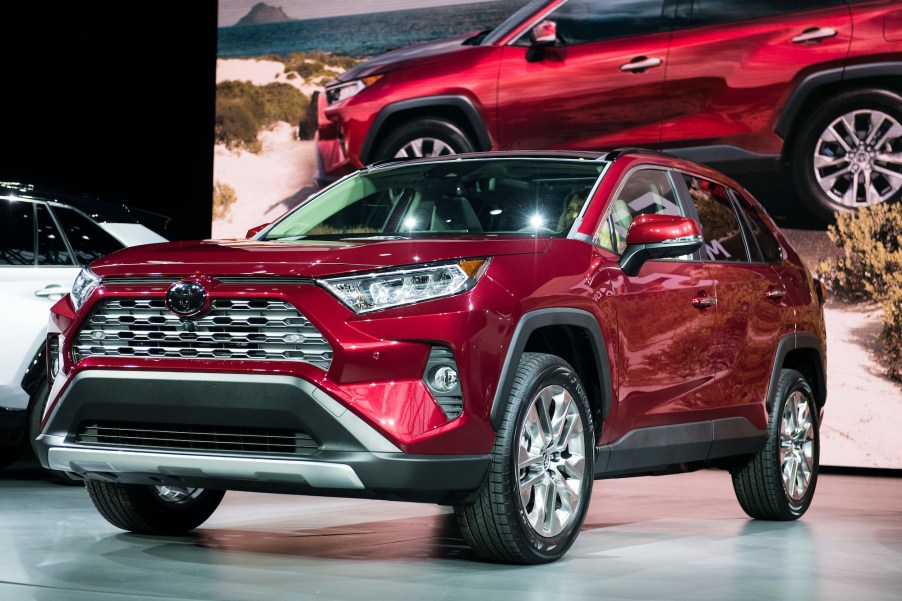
(153, 509)
(428, 137)
(848, 154)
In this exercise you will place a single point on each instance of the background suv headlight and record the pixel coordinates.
(352, 88)
(380, 290)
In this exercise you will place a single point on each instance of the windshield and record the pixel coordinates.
(474, 196)
(513, 21)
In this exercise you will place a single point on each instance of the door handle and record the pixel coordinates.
(815, 34)
(52, 290)
(640, 63)
(704, 301)
(775, 294)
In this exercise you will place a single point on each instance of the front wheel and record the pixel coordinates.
(777, 483)
(428, 137)
(153, 509)
(848, 153)
(535, 498)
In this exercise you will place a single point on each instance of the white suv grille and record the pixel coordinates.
(261, 329)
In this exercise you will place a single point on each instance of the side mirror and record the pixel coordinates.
(543, 34)
(255, 230)
(658, 237)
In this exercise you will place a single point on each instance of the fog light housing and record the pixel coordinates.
(53, 357)
(442, 378)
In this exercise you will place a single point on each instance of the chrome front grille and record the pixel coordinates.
(218, 439)
(260, 329)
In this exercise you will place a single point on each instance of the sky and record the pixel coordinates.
(230, 11)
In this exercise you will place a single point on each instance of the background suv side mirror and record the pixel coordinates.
(658, 237)
(542, 34)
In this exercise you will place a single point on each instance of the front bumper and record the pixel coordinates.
(191, 429)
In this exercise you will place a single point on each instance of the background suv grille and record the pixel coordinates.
(262, 329)
(227, 440)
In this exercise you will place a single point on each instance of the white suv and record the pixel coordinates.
(45, 238)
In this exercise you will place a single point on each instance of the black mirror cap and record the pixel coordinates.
(635, 255)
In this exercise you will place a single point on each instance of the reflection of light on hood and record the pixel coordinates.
(410, 223)
(495, 212)
(536, 221)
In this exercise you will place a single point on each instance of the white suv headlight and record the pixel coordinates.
(85, 283)
(384, 289)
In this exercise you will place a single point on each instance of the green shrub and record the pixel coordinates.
(224, 197)
(870, 268)
(243, 109)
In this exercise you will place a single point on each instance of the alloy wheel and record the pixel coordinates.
(858, 158)
(551, 462)
(424, 147)
(797, 445)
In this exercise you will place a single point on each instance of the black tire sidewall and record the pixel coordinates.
(790, 382)
(803, 148)
(443, 130)
(553, 372)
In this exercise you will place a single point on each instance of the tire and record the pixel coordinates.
(153, 509)
(36, 405)
(427, 137)
(837, 163)
(778, 482)
(509, 522)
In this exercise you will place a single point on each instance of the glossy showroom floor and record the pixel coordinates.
(669, 538)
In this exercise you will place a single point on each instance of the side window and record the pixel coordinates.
(16, 232)
(721, 231)
(582, 21)
(88, 240)
(767, 242)
(644, 191)
(710, 12)
(51, 248)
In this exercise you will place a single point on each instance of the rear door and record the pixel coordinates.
(751, 301)
(601, 85)
(732, 65)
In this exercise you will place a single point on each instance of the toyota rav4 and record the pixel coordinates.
(813, 87)
(490, 331)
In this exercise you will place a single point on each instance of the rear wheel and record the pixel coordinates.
(535, 498)
(777, 483)
(427, 137)
(10, 453)
(153, 509)
(848, 153)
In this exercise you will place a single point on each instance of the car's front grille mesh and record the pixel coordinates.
(261, 329)
(219, 439)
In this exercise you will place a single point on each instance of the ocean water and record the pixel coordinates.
(362, 35)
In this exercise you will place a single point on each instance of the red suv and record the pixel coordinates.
(490, 331)
(741, 85)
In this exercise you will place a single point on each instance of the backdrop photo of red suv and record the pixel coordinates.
(800, 102)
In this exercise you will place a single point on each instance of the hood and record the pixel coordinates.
(421, 54)
(302, 259)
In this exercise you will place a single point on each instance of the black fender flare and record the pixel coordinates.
(462, 103)
(792, 342)
(540, 318)
(829, 76)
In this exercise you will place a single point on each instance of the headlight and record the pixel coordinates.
(351, 88)
(85, 283)
(381, 290)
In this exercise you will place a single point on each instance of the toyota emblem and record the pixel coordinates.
(186, 298)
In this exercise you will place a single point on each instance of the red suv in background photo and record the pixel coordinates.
(811, 87)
